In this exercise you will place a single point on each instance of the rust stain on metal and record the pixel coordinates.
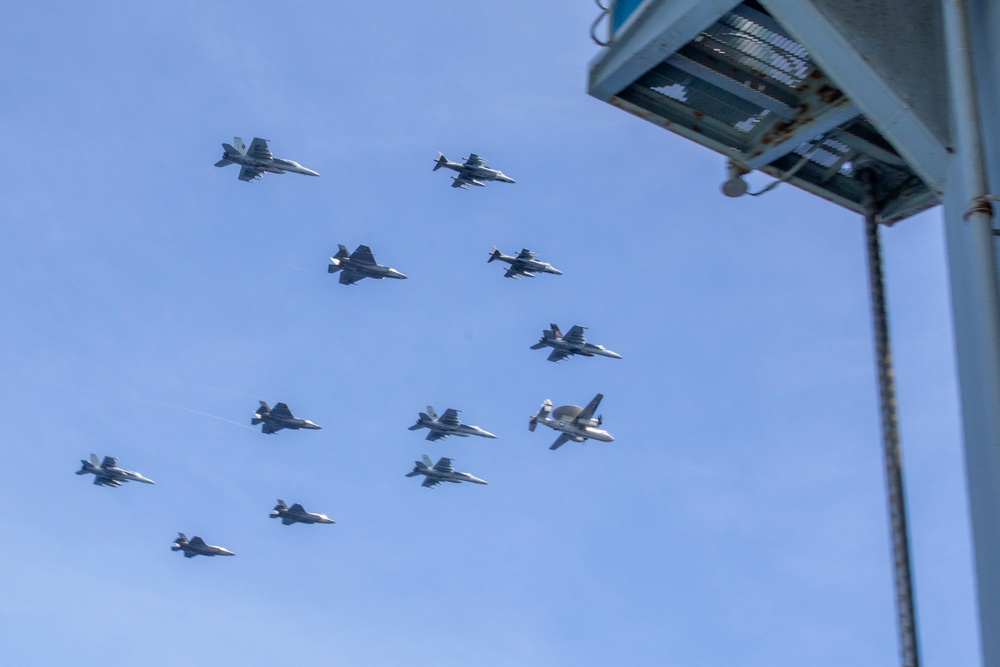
(829, 94)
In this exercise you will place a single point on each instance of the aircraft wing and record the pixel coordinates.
(514, 272)
(348, 278)
(474, 161)
(588, 411)
(430, 482)
(189, 554)
(363, 255)
(270, 428)
(575, 335)
(558, 355)
(281, 411)
(450, 417)
(560, 441)
(298, 509)
(197, 542)
(526, 254)
(259, 150)
(249, 174)
(287, 520)
(444, 465)
(460, 181)
(109, 462)
(435, 435)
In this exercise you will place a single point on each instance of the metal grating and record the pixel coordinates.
(745, 88)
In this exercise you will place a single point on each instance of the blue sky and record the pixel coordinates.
(150, 300)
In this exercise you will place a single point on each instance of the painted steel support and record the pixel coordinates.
(976, 310)
(902, 571)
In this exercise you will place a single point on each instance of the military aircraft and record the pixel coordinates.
(524, 264)
(473, 172)
(278, 418)
(447, 424)
(570, 344)
(572, 422)
(296, 514)
(197, 547)
(440, 472)
(107, 472)
(359, 264)
(254, 162)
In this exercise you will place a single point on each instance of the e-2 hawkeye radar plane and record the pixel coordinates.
(522, 264)
(279, 417)
(107, 472)
(297, 514)
(359, 264)
(572, 343)
(440, 472)
(573, 422)
(257, 160)
(447, 424)
(473, 172)
(197, 547)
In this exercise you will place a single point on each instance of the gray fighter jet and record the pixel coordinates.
(570, 344)
(107, 472)
(359, 264)
(197, 547)
(440, 472)
(277, 418)
(473, 172)
(573, 422)
(447, 424)
(296, 514)
(524, 264)
(257, 160)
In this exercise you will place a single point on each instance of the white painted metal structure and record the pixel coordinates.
(811, 91)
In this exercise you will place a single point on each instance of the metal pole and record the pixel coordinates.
(905, 607)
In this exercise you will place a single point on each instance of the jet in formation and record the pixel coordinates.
(572, 343)
(257, 160)
(359, 264)
(440, 472)
(107, 472)
(523, 264)
(447, 424)
(197, 547)
(296, 514)
(277, 418)
(573, 422)
(473, 172)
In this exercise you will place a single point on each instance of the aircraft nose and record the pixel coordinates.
(557, 272)
(393, 273)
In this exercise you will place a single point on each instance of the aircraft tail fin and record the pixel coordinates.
(543, 413)
(223, 162)
(241, 147)
(96, 461)
(427, 461)
(83, 468)
(494, 255)
(281, 505)
(431, 413)
(264, 407)
(555, 330)
(539, 345)
(440, 162)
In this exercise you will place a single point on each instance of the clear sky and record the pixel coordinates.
(149, 300)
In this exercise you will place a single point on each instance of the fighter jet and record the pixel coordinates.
(572, 422)
(570, 344)
(440, 472)
(473, 172)
(254, 162)
(447, 424)
(359, 264)
(197, 547)
(278, 418)
(524, 264)
(296, 514)
(107, 472)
